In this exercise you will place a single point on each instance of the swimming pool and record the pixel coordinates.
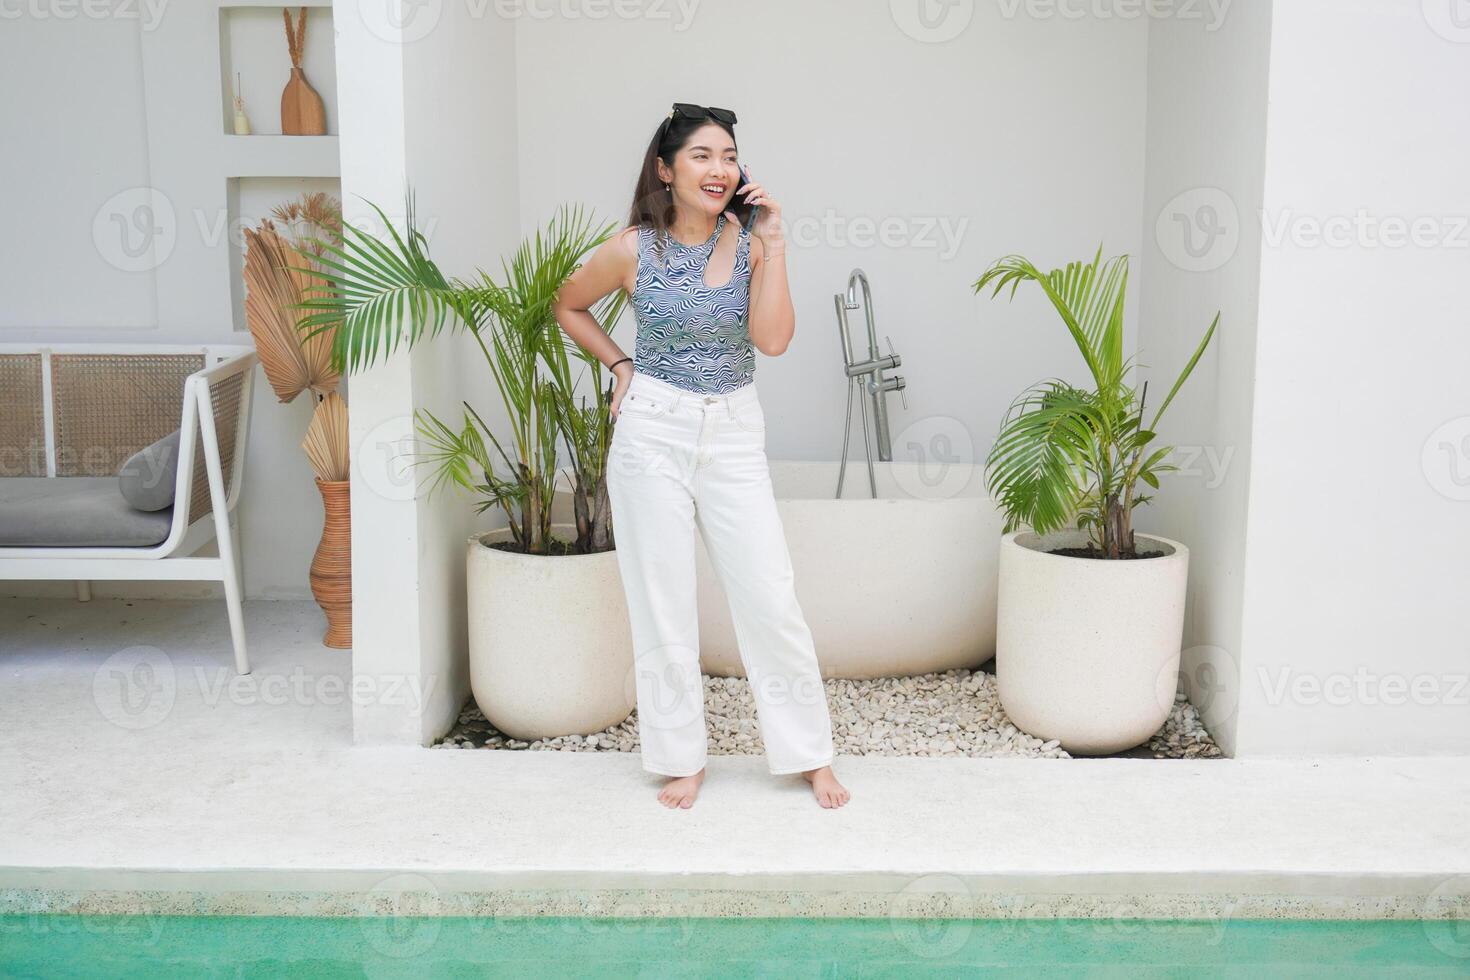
(153, 947)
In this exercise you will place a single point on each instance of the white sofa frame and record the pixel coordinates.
(173, 559)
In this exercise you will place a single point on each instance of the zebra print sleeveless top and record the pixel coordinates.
(690, 335)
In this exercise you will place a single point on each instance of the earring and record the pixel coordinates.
(667, 187)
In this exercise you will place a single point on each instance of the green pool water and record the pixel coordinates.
(154, 947)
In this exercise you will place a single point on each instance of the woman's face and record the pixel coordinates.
(705, 171)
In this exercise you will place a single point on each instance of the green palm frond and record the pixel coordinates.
(1038, 467)
(1188, 368)
(1089, 299)
(378, 297)
(382, 294)
(1068, 456)
(458, 457)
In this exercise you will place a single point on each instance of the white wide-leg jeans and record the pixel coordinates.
(680, 461)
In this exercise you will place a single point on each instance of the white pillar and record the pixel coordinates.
(427, 98)
(1356, 570)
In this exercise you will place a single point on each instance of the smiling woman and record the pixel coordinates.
(689, 452)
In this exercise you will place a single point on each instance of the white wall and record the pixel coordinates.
(1356, 567)
(1017, 134)
(1201, 254)
(118, 101)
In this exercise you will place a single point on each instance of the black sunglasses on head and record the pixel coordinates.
(689, 110)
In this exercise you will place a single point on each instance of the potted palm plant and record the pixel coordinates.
(1090, 614)
(549, 642)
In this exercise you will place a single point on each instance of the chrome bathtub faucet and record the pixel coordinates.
(866, 378)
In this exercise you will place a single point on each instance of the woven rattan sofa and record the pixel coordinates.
(72, 417)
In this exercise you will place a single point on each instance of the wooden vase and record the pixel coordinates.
(331, 568)
(302, 112)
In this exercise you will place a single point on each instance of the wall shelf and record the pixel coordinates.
(280, 156)
(252, 42)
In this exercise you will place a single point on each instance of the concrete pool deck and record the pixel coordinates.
(234, 799)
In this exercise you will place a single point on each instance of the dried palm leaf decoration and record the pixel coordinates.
(274, 282)
(310, 214)
(281, 270)
(326, 439)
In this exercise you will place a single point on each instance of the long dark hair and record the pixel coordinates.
(652, 205)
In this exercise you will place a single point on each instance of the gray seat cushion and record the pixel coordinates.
(147, 478)
(75, 512)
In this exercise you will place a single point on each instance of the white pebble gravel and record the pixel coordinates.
(954, 713)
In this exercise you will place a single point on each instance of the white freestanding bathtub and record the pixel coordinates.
(899, 585)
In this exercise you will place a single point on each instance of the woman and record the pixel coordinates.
(688, 451)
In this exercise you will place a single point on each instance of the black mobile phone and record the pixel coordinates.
(755, 211)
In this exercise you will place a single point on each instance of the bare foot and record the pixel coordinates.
(825, 787)
(680, 791)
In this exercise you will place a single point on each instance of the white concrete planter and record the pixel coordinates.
(1087, 651)
(551, 651)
